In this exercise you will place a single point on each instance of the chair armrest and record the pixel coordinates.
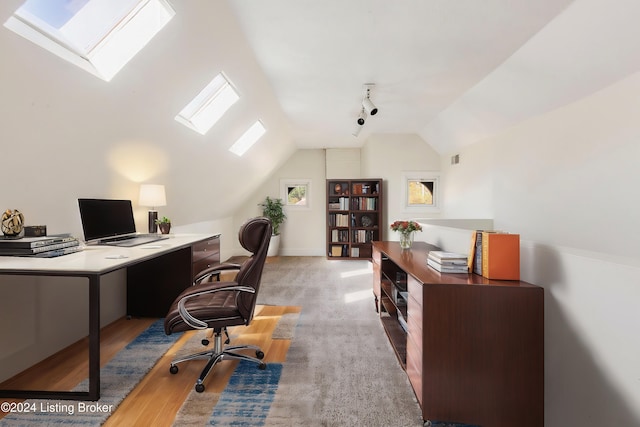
(208, 272)
(204, 289)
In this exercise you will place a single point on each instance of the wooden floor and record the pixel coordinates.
(157, 398)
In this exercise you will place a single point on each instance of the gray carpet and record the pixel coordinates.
(340, 368)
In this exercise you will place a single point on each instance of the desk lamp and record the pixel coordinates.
(152, 195)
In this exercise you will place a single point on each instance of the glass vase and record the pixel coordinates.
(406, 240)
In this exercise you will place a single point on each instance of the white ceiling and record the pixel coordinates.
(453, 72)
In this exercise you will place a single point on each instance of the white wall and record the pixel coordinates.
(567, 182)
(66, 134)
(382, 156)
(387, 156)
(303, 231)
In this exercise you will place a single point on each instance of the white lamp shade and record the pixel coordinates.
(152, 195)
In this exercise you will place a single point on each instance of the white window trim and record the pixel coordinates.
(116, 42)
(433, 176)
(248, 138)
(208, 107)
(284, 186)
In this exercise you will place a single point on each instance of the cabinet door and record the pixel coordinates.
(414, 336)
(152, 285)
(377, 277)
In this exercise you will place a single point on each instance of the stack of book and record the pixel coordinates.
(41, 247)
(448, 262)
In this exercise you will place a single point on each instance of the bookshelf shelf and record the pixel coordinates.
(354, 217)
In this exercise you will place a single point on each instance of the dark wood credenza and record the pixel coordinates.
(473, 348)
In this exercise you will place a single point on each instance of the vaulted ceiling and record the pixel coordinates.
(453, 72)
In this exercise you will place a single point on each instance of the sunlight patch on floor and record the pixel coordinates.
(357, 296)
(354, 273)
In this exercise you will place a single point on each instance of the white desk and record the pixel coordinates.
(93, 263)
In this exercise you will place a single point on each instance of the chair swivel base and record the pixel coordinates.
(218, 354)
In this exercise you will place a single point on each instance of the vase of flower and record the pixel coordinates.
(406, 239)
(406, 230)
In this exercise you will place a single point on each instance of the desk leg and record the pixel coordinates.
(94, 354)
(94, 337)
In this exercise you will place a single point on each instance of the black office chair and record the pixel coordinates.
(218, 305)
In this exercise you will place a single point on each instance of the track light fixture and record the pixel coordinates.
(369, 107)
(362, 117)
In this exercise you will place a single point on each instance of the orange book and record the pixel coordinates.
(501, 256)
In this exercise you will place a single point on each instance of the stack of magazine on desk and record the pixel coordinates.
(40, 247)
(448, 262)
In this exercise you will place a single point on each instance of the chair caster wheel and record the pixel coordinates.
(173, 369)
(259, 354)
(205, 342)
(199, 388)
(262, 366)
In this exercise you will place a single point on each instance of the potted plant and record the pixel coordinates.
(274, 210)
(164, 224)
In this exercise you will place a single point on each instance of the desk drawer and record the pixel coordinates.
(205, 254)
(203, 263)
(206, 249)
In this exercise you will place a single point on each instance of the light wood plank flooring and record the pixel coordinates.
(157, 398)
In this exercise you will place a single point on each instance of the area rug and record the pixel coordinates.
(246, 398)
(117, 378)
(340, 368)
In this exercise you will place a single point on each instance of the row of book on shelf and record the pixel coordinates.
(40, 247)
(492, 254)
(357, 203)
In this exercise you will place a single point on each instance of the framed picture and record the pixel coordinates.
(420, 190)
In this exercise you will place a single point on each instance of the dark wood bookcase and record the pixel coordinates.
(354, 217)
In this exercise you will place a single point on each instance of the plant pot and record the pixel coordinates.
(164, 227)
(274, 245)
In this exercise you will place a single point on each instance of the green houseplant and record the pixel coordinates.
(274, 210)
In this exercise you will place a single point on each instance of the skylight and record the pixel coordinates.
(100, 36)
(210, 104)
(249, 138)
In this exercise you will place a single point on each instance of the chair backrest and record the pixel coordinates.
(254, 235)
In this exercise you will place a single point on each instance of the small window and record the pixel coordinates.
(296, 193)
(250, 137)
(420, 190)
(210, 104)
(100, 36)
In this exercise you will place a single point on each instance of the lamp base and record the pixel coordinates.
(153, 227)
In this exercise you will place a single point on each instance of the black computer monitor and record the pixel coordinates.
(102, 218)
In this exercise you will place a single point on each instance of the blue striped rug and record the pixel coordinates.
(247, 398)
(117, 378)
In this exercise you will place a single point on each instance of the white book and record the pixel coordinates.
(448, 258)
(447, 268)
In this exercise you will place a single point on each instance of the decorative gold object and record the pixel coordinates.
(12, 222)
